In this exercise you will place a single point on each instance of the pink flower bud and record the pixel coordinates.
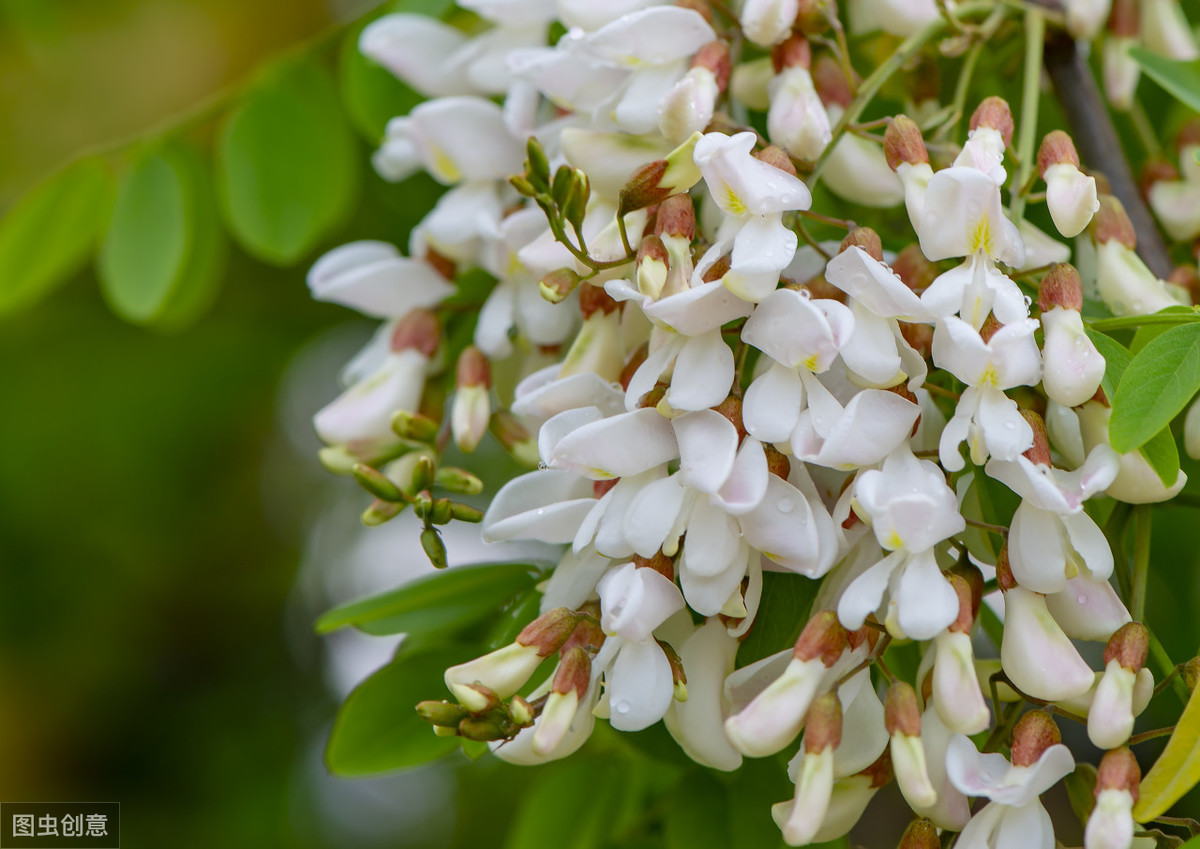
(1034, 733)
(1111, 823)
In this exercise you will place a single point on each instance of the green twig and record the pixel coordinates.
(1141, 562)
(1127, 321)
(1166, 666)
(1035, 38)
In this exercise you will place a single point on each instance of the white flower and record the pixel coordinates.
(1073, 368)
(698, 724)
(797, 120)
(441, 136)
(373, 278)
(1070, 197)
(910, 509)
(768, 22)
(1035, 653)
(985, 417)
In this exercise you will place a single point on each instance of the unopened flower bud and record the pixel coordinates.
(778, 463)
(865, 238)
(1039, 452)
(477, 698)
(920, 834)
(414, 426)
(1111, 823)
(376, 483)
(955, 686)
(768, 22)
(688, 107)
(776, 157)
(1037, 656)
(1129, 646)
(571, 680)
(1121, 71)
(656, 181)
(458, 480)
(464, 512)
(994, 114)
(434, 548)
(902, 717)
(483, 729)
(417, 331)
(1191, 673)
(381, 511)
(1061, 287)
(1070, 194)
(558, 284)
(521, 711)
(835, 90)
(792, 52)
(1034, 733)
(903, 143)
(676, 217)
(678, 674)
(443, 713)
(547, 634)
(472, 403)
(653, 265)
(823, 724)
(814, 783)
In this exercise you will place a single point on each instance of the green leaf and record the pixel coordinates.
(570, 804)
(438, 602)
(1147, 332)
(149, 238)
(1156, 386)
(1177, 769)
(51, 232)
(164, 252)
(787, 599)
(378, 730)
(1179, 79)
(1162, 454)
(287, 165)
(754, 788)
(1081, 791)
(1116, 360)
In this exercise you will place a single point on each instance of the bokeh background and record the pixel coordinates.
(166, 534)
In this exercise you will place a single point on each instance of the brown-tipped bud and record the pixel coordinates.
(1112, 222)
(1191, 673)
(644, 187)
(473, 368)
(601, 488)
(1039, 452)
(866, 239)
(587, 634)
(715, 57)
(414, 426)
(549, 631)
(823, 724)
(902, 142)
(823, 637)
(652, 249)
(559, 283)
(441, 263)
(1155, 171)
(991, 324)
(678, 675)
(918, 336)
(914, 269)
(573, 673)
(1056, 149)
(442, 713)
(901, 712)
(376, 483)
(1128, 646)
(966, 604)
(793, 52)
(593, 299)
(829, 80)
(1123, 19)
(778, 158)
(417, 331)
(920, 834)
(970, 573)
(676, 217)
(731, 409)
(483, 729)
(521, 711)
(718, 270)
(1119, 770)
(701, 7)
(994, 112)
(1034, 733)
(484, 698)
(881, 771)
(1061, 287)
(660, 563)
(778, 463)
(1004, 575)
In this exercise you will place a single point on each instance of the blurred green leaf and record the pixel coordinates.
(787, 599)
(571, 804)
(1081, 790)
(51, 232)
(1177, 769)
(287, 165)
(439, 602)
(1155, 387)
(377, 728)
(509, 621)
(164, 252)
(751, 792)
(149, 237)
(697, 815)
(1180, 79)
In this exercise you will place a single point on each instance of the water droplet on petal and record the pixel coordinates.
(1081, 598)
(785, 505)
(540, 512)
(621, 707)
(1028, 302)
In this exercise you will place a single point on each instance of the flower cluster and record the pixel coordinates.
(706, 401)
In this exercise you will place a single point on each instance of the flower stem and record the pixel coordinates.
(1127, 321)
(1035, 39)
(1141, 561)
(1166, 666)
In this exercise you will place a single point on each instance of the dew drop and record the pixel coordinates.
(542, 467)
(785, 505)
(1081, 598)
(540, 512)
(804, 293)
(1028, 302)
(621, 707)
